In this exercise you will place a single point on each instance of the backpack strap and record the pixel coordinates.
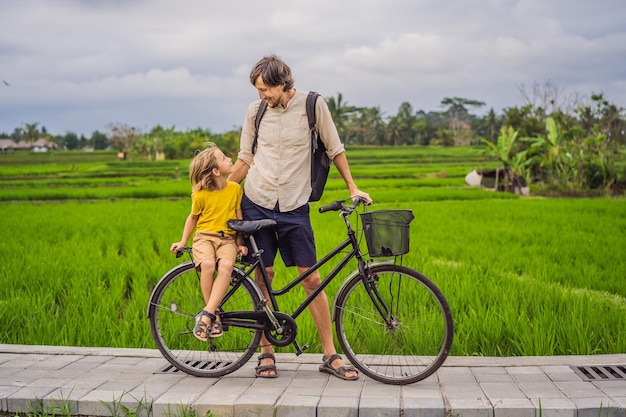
(257, 122)
(311, 99)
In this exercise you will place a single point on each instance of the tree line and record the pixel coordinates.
(558, 141)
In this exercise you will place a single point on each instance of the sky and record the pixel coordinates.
(82, 65)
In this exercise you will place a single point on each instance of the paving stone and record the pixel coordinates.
(423, 407)
(560, 373)
(470, 407)
(613, 388)
(61, 398)
(513, 407)
(5, 392)
(595, 407)
(254, 406)
(7, 373)
(336, 387)
(491, 374)
(620, 400)
(579, 389)
(371, 406)
(423, 389)
(554, 407)
(541, 390)
(499, 390)
(338, 407)
(26, 399)
(297, 406)
(220, 398)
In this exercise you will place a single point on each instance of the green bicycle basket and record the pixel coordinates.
(387, 232)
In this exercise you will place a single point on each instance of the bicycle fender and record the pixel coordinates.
(354, 274)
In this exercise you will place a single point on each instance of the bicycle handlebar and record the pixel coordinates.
(340, 205)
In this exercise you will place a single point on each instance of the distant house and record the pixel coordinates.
(40, 145)
(43, 145)
(6, 145)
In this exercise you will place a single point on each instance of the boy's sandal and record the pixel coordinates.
(260, 369)
(339, 372)
(216, 330)
(201, 329)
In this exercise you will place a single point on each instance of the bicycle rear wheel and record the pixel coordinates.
(174, 304)
(397, 327)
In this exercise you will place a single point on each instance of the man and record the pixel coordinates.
(278, 186)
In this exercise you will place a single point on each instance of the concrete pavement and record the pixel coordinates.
(132, 382)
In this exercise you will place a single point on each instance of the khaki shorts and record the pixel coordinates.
(212, 246)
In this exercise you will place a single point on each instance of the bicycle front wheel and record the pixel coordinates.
(174, 304)
(396, 326)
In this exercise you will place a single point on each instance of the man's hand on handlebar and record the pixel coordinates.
(365, 197)
(340, 204)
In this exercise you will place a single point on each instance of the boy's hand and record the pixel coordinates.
(176, 246)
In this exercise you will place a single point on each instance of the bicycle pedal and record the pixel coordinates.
(301, 350)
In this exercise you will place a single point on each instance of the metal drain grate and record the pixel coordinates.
(601, 372)
(170, 369)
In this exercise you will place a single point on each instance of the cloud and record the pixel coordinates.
(78, 65)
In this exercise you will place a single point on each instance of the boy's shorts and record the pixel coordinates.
(212, 246)
(293, 235)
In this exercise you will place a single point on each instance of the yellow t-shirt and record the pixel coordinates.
(215, 207)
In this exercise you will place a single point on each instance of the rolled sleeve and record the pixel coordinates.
(248, 133)
(327, 129)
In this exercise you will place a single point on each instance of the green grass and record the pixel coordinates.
(82, 250)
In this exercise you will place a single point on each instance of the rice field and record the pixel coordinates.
(85, 240)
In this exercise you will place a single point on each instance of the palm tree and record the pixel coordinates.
(31, 134)
(369, 125)
(401, 125)
(340, 112)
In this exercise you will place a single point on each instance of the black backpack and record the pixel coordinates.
(320, 162)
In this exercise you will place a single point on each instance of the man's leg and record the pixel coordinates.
(320, 311)
(266, 347)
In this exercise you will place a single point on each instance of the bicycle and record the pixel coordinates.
(392, 322)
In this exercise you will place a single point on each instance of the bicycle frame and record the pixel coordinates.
(269, 315)
(355, 251)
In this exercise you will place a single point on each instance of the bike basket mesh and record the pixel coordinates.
(387, 232)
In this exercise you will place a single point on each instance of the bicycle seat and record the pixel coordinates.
(250, 226)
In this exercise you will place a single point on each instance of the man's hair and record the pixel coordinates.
(273, 71)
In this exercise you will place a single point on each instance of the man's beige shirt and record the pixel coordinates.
(280, 169)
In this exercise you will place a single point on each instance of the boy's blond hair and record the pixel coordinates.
(201, 168)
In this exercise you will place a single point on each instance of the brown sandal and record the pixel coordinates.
(201, 329)
(339, 372)
(263, 368)
(204, 331)
(216, 329)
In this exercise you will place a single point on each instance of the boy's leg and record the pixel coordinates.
(226, 254)
(204, 255)
(207, 270)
